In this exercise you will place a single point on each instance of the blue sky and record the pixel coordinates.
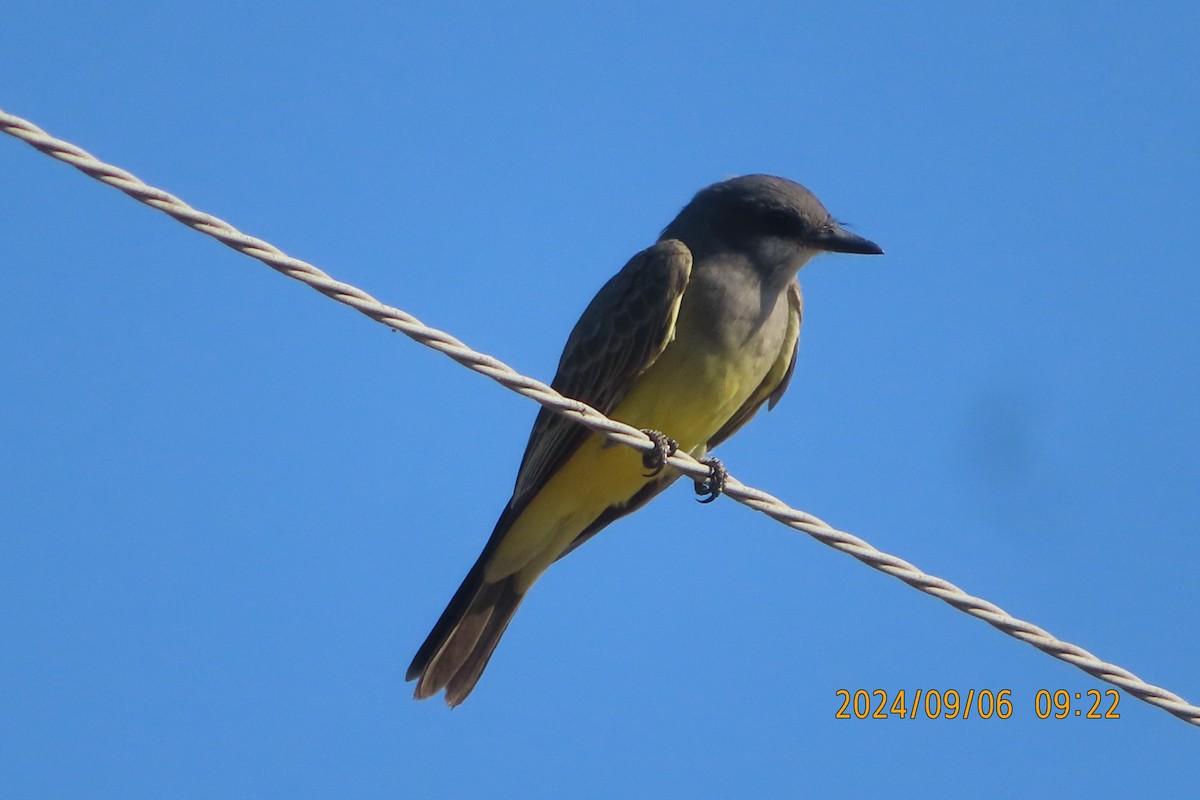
(232, 509)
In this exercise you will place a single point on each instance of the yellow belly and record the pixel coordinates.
(688, 394)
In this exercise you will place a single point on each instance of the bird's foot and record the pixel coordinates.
(664, 447)
(711, 487)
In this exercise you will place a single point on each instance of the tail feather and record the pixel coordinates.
(461, 643)
(504, 605)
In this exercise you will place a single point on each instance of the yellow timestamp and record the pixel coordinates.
(978, 703)
(929, 703)
(1092, 704)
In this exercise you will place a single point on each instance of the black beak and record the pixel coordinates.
(835, 239)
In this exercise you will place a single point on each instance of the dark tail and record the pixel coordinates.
(456, 651)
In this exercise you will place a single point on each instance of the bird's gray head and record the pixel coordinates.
(773, 220)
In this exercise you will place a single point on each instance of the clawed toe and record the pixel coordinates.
(711, 487)
(655, 460)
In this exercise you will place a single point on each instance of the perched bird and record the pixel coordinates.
(687, 341)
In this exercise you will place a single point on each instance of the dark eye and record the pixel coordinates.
(758, 219)
(779, 222)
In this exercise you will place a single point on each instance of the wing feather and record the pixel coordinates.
(621, 333)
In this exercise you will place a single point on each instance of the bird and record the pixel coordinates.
(687, 342)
